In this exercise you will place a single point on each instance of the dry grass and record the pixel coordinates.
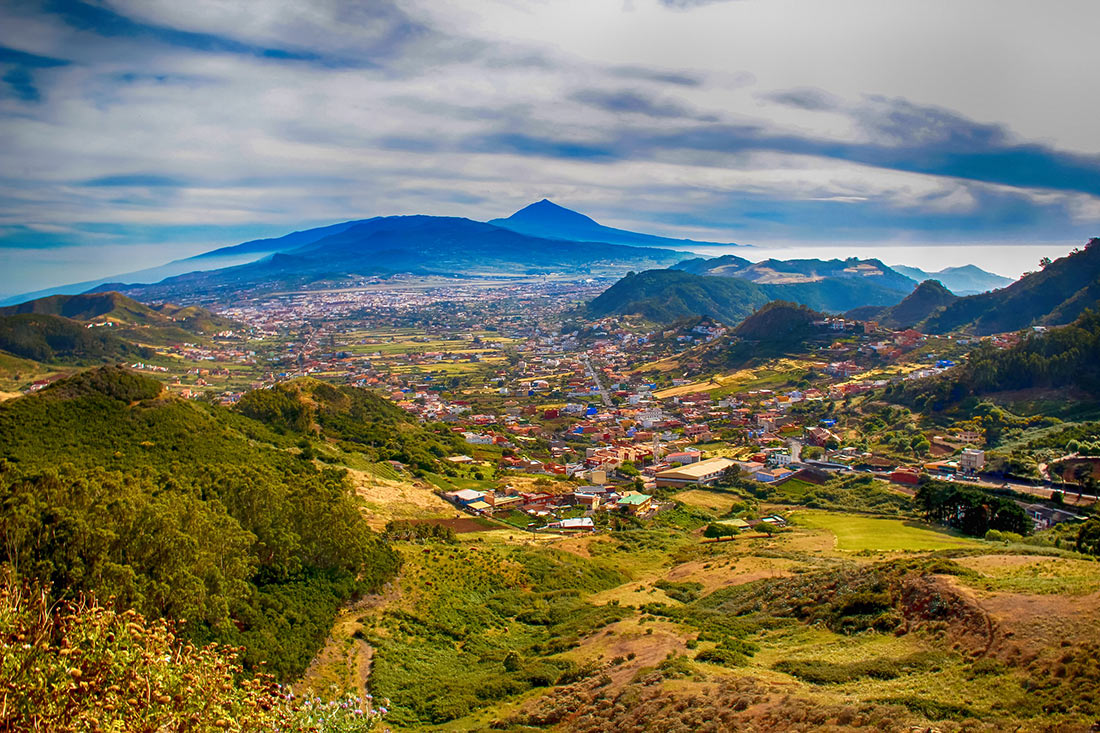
(714, 501)
(386, 500)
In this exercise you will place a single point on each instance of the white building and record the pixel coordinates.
(972, 460)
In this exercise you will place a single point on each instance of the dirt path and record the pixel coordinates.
(343, 664)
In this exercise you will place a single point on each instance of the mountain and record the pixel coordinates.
(964, 280)
(56, 340)
(665, 296)
(238, 254)
(1055, 295)
(670, 295)
(926, 299)
(424, 245)
(786, 272)
(550, 221)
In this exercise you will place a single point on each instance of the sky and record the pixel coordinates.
(135, 132)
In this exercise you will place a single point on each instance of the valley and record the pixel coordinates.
(577, 501)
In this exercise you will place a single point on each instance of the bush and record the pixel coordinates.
(92, 668)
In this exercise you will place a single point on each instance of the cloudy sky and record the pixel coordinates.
(134, 132)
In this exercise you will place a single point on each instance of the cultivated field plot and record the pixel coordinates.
(715, 501)
(856, 533)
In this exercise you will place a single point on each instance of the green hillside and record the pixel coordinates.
(129, 319)
(1065, 357)
(352, 418)
(666, 296)
(184, 510)
(55, 339)
(929, 297)
(1055, 295)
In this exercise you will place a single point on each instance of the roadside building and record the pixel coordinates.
(972, 460)
(701, 473)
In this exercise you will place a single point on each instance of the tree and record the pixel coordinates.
(1088, 537)
(1043, 262)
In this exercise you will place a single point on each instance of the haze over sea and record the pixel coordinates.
(1008, 260)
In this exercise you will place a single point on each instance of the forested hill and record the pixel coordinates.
(1054, 295)
(184, 510)
(57, 340)
(115, 307)
(1065, 357)
(665, 296)
(929, 297)
(352, 418)
(123, 317)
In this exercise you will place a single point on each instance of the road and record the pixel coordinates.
(596, 378)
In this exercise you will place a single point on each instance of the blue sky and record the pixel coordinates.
(135, 132)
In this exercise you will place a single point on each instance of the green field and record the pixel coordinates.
(856, 533)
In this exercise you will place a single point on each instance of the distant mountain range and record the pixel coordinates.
(870, 272)
(550, 221)
(541, 238)
(1053, 296)
(965, 280)
(420, 245)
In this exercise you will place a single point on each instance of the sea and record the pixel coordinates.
(1007, 260)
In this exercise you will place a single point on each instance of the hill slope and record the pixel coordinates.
(121, 310)
(54, 339)
(1064, 357)
(665, 296)
(547, 219)
(928, 297)
(183, 510)
(1053, 296)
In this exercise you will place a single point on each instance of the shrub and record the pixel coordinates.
(78, 666)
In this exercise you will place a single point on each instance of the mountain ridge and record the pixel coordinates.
(546, 219)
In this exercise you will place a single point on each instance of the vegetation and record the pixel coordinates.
(53, 339)
(79, 666)
(666, 296)
(926, 299)
(970, 510)
(353, 418)
(171, 509)
(1055, 295)
(482, 625)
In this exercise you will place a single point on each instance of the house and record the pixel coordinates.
(820, 436)
(905, 476)
(1044, 516)
(972, 460)
(769, 476)
(465, 497)
(635, 503)
(589, 501)
(701, 473)
(574, 524)
(684, 457)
